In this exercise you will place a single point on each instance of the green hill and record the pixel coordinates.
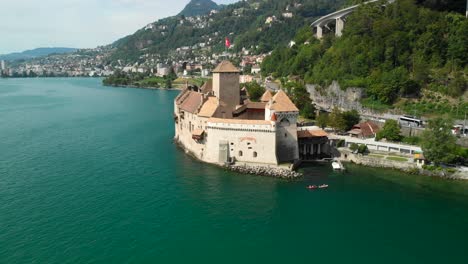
(405, 55)
(198, 8)
(244, 22)
(35, 53)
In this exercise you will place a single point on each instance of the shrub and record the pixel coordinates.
(354, 147)
(340, 143)
(362, 149)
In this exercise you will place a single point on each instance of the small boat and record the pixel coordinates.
(312, 187)
(323, 186)
(336, 165)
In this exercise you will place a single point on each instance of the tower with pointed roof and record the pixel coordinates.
(226, 85)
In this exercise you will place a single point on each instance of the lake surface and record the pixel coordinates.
(89, 174)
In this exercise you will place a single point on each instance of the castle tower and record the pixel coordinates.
(226, 84)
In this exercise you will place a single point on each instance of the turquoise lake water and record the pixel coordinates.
(89, 174)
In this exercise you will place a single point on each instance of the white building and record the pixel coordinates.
(3, 66)
(215, 125)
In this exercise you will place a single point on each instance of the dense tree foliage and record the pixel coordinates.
(120, 78)
(341, 121)
(390, 131)
(392, 51)
(301, 99)
(255, 91)
(439, 145)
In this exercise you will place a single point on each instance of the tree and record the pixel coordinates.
(301, 98)
(336, 120)
(362, 149)
(354, 147)
(390, 131)
(255, 91)
(438, 144)
(308, 111)
(168, 83)
(322, 120)
(351, 118)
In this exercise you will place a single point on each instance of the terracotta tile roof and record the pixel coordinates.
(266, 96)
(239, 121)
(368, 129)
(256, 105)
(190, 101)
(281, 103)
(311, 133)
(207, 87)
(209, 107)
(226, 66)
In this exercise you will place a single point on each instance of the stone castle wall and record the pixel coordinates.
(246, 142)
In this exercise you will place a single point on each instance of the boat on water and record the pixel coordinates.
(336, 165)
(314, 187)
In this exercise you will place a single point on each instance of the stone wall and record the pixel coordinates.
(413, 131)
(247, 143)
(348, 156)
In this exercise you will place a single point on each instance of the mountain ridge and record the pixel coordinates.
(36, 53)
(198, 7)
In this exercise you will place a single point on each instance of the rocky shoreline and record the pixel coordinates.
(144, 87)
(265, 171)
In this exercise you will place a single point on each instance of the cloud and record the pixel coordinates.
(27, 24)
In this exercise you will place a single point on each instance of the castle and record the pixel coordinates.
(218, 124)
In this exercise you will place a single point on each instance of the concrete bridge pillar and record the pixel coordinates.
(319, 34)
(339, 27)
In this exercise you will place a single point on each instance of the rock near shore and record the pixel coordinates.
(266, 171)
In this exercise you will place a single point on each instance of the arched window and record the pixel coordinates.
(255, 154)
(240, 153)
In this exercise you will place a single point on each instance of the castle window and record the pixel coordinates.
(240, 153)
(255, 154)
(248, 143)
(285, 135)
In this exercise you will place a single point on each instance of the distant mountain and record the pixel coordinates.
(35, 53)
(257, 25)
(198, 8)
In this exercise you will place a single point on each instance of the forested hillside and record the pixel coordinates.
(402, 50)
(243, 22)
(198, 8)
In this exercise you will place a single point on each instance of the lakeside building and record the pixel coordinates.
(216, 124)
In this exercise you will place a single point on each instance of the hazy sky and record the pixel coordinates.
(28, 24)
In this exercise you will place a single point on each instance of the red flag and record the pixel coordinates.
(228, 43)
